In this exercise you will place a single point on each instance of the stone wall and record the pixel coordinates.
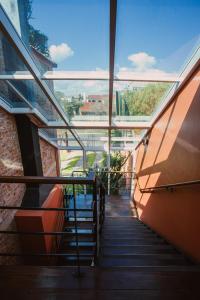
(10, 194)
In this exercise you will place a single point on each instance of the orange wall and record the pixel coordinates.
(41, 221)
(173, 155)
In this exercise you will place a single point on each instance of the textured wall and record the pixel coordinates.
(173, 155)
(49, 158)
(10, 164)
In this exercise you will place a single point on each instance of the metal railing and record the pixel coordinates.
(97, 209)
(169, 187)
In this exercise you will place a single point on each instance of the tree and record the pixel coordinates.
(37, 39)
(71, 108)
(144, 101)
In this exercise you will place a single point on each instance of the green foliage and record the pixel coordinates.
(117, 161)
(71, 108)
(37, 39)
(103, 161)
(144, 101)
(91, 159)
(73, 162)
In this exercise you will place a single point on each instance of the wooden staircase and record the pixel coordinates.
(127, 242)
(86, 242)
(134, 263)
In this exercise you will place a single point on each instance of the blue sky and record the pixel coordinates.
(165, 30)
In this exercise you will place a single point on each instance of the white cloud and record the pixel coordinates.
(60, 52)
(142, 60)
(143, 65)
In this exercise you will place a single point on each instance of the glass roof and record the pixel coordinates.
(105, 81)
(155, 38)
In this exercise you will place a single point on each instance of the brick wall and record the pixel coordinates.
(11, 164)
(49, 158)
(10, 194)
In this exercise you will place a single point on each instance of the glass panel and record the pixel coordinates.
(84, 101)
(155, 38)
(96, 139)
(36, 97)
(96, 159)
(11, 65)
(125, 139)
(10, 62)
(10, 97)
(70, 161)
(136, 101)
(70, 35)
(62, 138)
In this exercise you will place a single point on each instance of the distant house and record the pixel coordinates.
(95, 105)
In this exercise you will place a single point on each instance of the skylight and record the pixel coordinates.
(63, 54)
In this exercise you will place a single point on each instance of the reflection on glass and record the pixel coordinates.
(61, 137)
(10, 97)
(36, 97)
(10, 62)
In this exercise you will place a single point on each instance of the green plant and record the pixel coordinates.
(91, 159)
(117, 161)
(69, 168)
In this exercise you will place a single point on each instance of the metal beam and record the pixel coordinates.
(12, 35)
(133, 76)
(113, 15)
(91, 75)
(118, 125)
(76, 75)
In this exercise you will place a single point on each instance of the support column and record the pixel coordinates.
(31, 160)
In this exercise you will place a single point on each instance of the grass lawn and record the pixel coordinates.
(71, 165)
(91, 159)
(63, 155)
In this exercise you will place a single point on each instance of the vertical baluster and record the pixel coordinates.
(95, 221)
(78, 273)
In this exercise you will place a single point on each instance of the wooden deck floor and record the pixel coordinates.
(134, 264)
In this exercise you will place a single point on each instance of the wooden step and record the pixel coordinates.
(82, 238)
(127, 230)
(72, 231)
(130, 242)
(142, 260)
(130, 236)
(79, 223)
(72, 261)
(156, 249)
(73, 252)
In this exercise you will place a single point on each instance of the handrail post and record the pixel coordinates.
(96, 221)
(78, 273)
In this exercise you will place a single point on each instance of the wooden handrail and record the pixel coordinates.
(48, 180)
(169, 187)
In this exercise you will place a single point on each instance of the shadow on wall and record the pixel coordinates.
(173, 155)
